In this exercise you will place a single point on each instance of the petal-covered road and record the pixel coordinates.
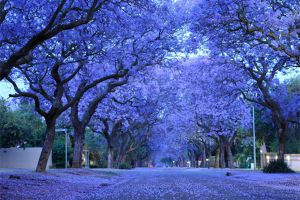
(204, 184)
(145, 183)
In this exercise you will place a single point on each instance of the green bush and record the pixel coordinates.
(125, 165)
(58, 152)
(168, 161)
(102, 163)
(94, 166)
(20, 127)
(277, 166)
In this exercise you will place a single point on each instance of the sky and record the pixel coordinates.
(6, 88)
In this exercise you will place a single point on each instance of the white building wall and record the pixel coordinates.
(21, 158)
(293, 161)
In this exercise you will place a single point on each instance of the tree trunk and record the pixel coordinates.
(229, 156)
(47, 147)
(118, 157)
(209, 155)
(123, 158)
(121, 152)
(281, 139)
(222, 155)
(217, 161)
(204, 164)
(190, 157)
(110, 156)
(227, 142)
(78, 147)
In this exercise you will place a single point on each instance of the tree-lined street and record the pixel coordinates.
(153, 183)
(156, 87)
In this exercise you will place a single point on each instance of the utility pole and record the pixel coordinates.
(253, 129)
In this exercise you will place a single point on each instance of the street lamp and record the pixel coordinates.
(253, 129)
(207, 162)
(188, 163)
(87, 160)
(66, 144)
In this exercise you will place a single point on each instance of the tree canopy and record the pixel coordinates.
(179, 77)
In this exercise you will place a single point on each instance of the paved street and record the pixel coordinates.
(143, 184)
(204, 184)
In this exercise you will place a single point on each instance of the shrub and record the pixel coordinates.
(102, 163)
(125, 165)
(58, 152)
(277, 166)
(94, 166)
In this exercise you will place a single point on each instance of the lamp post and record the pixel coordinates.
(87, 160)
(208, 162)
(253, 129)
(66, 144)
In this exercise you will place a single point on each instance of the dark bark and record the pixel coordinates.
(79, 130)
(47, 147)
(209, 155)
(190, 155)
(281, 124)
(50, 31)
(121, 152)
(123, 158)
(222, 155)
(78, 147)
(282, 141)
(118, 157)
(204, 163)
(3, 12)
(227, 142)
(269, 102)
(110, 156)
(110, 137)
(230, 160)
(81, 124)
(217, 161)
(57, 106)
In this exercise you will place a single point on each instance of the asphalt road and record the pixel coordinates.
(143, 184)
